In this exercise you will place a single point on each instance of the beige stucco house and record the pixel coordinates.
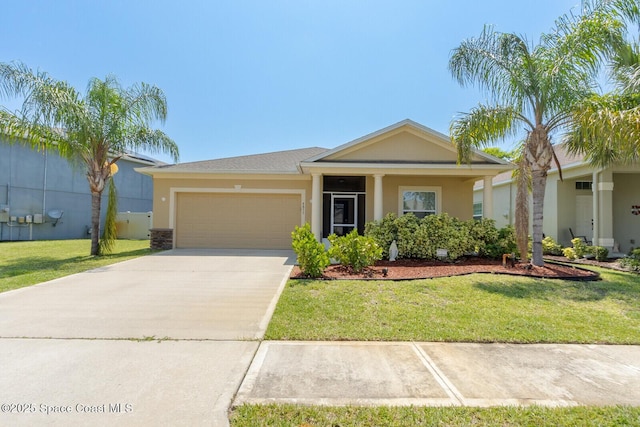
(602, 205)
(256, 201)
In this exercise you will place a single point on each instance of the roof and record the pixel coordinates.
(299, 161)
(406, 124)
(564, 158)
(274, 162)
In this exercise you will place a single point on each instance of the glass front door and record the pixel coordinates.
(344, 211)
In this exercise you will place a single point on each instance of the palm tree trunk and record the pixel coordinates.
(539, 155)
(539, 183)
(96, 199)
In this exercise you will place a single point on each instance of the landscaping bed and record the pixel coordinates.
(409, 269)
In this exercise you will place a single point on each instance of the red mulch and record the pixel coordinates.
(407, 269)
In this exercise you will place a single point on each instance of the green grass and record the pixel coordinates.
(27, 263)
(474, 308)
(308, 416)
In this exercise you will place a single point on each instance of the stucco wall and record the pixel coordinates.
(456, 194)
(504, 196)
(28, 190)
(626, 226)
(401, 146)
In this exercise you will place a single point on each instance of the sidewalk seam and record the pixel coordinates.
(440, 377)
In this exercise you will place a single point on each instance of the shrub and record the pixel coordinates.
(354, 251)
(570, 253)
(421, 238)
(600, 253)
(504, 244)
(312, 258)
(483, 233)
(407, 227)
(551, 247)
(632, 261)
(579, 247)
(383, 232)
(446, 232)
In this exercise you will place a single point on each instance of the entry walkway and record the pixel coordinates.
(442, 374)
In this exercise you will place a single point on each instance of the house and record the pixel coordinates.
(603, 205)
(43, 196)
(256, 201)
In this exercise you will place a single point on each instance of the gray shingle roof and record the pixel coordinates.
(275, 162)
(564, 158)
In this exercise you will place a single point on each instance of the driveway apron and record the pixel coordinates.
(160, 340)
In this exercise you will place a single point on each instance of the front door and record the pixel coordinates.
(344, 213)
(584, 216)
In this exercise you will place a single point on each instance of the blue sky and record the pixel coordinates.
(245, 77)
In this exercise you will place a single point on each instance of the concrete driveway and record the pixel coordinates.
(179, 294)
(160, 340)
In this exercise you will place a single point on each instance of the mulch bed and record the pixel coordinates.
(410, 269)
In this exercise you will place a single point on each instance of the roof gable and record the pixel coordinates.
(403, 142)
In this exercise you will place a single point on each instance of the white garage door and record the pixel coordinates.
(253, 221)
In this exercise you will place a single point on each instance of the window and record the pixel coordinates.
(477, 211)
(420, 201)
(584, 185)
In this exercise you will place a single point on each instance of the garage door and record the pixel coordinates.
(254, 221)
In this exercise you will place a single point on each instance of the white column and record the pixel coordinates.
(487, 198)
(316, 206)
(596, 210)
(377, 197)
(605, 212)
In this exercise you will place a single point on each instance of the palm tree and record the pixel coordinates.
(606, 128)
(97, 128)
(532, 89)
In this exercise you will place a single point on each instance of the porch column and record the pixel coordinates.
(605, 210)
(595, 209)
(377, 197)
(487, 197)
(316, 206)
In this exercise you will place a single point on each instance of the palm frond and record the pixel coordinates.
(482, 126)
(606, 129)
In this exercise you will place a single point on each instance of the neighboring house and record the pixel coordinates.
(38, 186)
(601, 204)
(256, 201)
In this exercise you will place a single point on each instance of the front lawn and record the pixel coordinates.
(26, 263)
(311, 416)
(474, 308)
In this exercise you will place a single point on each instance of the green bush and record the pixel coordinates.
(383, 232)
(569, 253)
(551, 247)
(579, 246)
(504, 244)
(483, 233)
(354, 251)
(421, 238)
(632, 261)
(600, 253)
(447, 232)
(312, 258)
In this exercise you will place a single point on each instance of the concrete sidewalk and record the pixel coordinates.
(442, 374)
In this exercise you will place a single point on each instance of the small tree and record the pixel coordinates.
(110, 232)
